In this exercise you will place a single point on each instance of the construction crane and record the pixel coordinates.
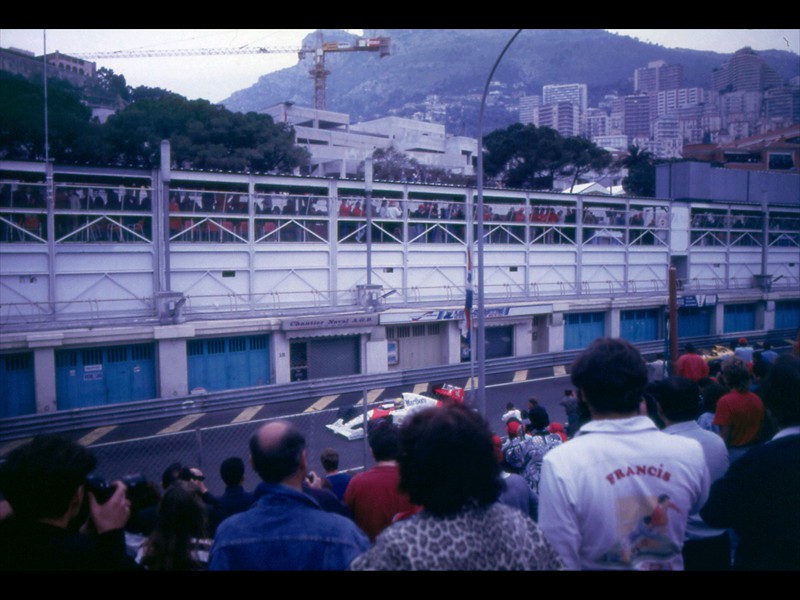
(318, 71)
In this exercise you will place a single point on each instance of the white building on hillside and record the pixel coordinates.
(338, 148)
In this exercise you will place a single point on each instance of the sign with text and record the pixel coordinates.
(326, 322)
(697, 301)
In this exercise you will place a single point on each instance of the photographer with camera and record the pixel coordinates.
(58, 523)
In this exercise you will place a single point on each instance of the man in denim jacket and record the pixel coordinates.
(286, 529)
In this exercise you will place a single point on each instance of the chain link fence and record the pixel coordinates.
(206, 448)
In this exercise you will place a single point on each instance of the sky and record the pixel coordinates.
(215, 78)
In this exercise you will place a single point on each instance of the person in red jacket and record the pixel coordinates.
(373, 496)
(691, 365)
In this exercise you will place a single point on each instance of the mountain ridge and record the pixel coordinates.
(454, 63)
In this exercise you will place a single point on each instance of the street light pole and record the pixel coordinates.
(481, 334)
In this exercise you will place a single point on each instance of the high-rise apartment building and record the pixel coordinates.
(669, 101)
(527, 107)
(576, 93)
(667, 139)
(563, 117)
(657, 76)
(745, 72)
(594, 123)
(636, 112)
(782, 104)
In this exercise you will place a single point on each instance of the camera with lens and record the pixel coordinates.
(103, 489)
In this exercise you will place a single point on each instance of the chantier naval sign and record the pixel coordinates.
(326, 322)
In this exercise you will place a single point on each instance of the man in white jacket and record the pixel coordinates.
(618, 495)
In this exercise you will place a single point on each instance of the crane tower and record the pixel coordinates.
(318, 71)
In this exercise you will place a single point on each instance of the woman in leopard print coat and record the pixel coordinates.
(448, 466)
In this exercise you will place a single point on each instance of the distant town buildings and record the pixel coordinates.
(746, 98)
(656, 77)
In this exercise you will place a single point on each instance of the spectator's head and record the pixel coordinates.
(277, 451)
(509, 406)
(191, 474)
(710, 394)
(779, 391)
(689, 348)
(194, 475)
(743, 342)
(232, 471)
(760, 366)
(611, 375)
(182, 518)
(539, 418)
(170, 474)
(736, 374)
(514, 428)
(767, 345)
(384, 441)
(533, 402)
(448, 460)
(329, 459)
(677, 398)
(44, 479)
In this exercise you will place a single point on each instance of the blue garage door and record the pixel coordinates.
(740, 317)
(17, 388)
(694, 321)
(639, 325)
(581, 329)
(100, 376)
(228, 363)
(787, 314)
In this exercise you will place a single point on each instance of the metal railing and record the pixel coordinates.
(130, 412)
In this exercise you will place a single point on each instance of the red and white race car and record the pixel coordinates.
(350, 423)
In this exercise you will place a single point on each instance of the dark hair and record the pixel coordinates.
(232, 470)
(779, 390)
(182, 520)
(171, 473)
(40, 478)
(448, 460)
(612, 374)
(280, 460)
(689, 348)
(539, 418)
(678, 397)
(736, 374)
(384, 441)
(710, 394)
(760, 366)
(329, 459)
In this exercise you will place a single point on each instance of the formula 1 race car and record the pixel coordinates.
(350, 423)
(715, 354)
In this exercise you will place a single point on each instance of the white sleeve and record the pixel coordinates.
(557, 517)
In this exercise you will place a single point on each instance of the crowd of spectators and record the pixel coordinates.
(644, 480)
(124, 214)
